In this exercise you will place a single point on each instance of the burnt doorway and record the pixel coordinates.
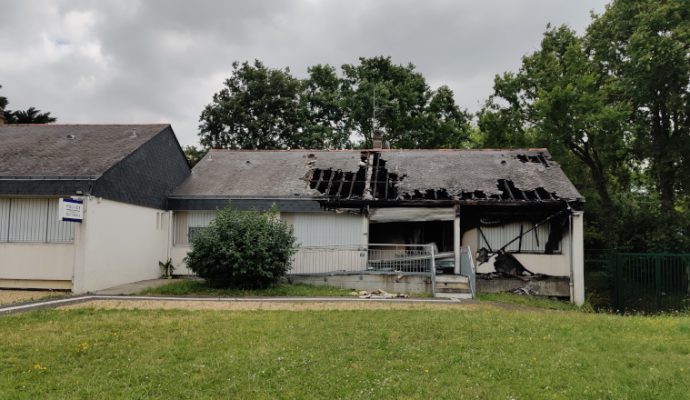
(424, 232)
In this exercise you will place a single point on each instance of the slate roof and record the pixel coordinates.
(135, 164)
(67, 151)
(459, 174)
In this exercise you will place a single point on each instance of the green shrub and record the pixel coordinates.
(242, 249)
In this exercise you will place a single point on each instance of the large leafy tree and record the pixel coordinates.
(643, 46)
(258, 108)
(262, 108)
(396, 100)
(559, 100)
(325, 119)
(614, 104)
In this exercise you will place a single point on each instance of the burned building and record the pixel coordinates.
(503, 206)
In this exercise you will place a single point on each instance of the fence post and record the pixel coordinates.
(657, 281)
(618, 279)
(433, 271)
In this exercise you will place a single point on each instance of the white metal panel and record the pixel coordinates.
(411, 214)
(185, 220)
(200, 219)
(317, 229)
(4, 218)
(28, 220)
(499, 236)
(58, 231)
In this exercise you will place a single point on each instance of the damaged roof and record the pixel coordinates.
(475, 175)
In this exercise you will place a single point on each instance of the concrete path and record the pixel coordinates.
(233, 303)
(133, 288)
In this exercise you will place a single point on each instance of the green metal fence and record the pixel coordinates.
(651, 282)
(638, 282)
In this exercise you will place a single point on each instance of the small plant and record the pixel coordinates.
(243, 249)
(167, 268)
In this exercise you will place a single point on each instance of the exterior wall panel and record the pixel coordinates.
(36, 261)
(28, 220)
(118, 243)
(4, 219)
(321, 229)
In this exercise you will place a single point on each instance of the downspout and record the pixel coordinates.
(572, 262)
(169, 236)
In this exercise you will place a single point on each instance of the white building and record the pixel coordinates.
(122, 173)
(504, 201)
(142, 204)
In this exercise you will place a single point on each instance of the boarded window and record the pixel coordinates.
(187, 224)
(33, 220)
(532, 242)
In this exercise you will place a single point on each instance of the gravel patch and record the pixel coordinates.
(17, 296)
(246, 305)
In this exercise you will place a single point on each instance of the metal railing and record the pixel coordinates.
(372, 258)
(467, 268)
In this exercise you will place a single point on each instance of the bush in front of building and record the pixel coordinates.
(243, 249)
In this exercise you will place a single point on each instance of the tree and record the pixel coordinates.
(559, 100)
(259, 108)
(396, 100)
(446, 125)
(644, 47)
(30, 116)
(325, 124)
(194, 154)
(243, 249)
(262, 108)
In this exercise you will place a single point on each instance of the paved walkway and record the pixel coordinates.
(133, 288)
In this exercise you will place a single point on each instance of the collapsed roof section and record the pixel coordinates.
(398, 176)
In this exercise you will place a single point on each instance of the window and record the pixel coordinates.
(188, 224)
(33, 221)
(532, 242)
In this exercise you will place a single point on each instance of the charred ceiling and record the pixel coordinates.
(374, 181)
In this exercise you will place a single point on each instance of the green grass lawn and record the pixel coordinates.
(194, 287)
(485, 353)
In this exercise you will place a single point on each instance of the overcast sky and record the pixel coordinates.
(129, 61)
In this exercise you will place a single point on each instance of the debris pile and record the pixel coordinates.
(378, 294)
(525, 291)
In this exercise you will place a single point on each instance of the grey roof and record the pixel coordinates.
(135, 164)
(287, 174)
(68, 151)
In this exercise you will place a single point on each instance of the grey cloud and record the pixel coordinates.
(161, 61)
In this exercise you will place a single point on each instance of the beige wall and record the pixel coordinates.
(50, 262)
(118, 243)
(311, 229)
(177, 254)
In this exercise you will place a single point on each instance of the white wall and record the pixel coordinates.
(311, 229)
(343, 231)
(177, 255)
(36, 262)
(118, 243)
(547, 264)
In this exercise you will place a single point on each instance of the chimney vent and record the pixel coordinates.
(377, 140)
(134, 133)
